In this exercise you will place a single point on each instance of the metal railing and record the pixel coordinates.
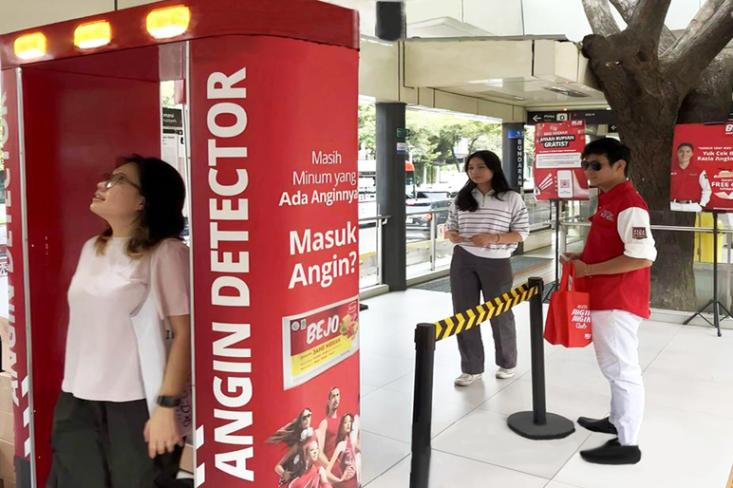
(378, 221)
(723, 232)
(414, 234)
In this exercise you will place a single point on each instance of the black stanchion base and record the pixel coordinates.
(556, 427)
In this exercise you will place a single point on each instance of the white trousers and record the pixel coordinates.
(616, 341)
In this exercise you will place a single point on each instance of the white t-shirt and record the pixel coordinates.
(101, 350)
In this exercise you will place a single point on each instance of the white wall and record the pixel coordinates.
(22, 14)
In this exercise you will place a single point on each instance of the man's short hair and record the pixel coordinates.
(687, 144)
(612, 149)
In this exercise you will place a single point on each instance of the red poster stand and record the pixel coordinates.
(271, 117)
(557, 173)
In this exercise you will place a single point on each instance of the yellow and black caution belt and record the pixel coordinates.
(474, 316)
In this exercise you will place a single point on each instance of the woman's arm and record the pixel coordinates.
(328, 477)
(161, 431)
(339, 449)
(279, 469)
(178, 367)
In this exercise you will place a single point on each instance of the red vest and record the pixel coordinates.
(685, 183)
(625, 291)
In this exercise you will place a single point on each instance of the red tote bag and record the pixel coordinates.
(568, 319)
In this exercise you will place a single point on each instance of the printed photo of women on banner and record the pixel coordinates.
(327, 456)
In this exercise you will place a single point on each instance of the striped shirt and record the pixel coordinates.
(493, 216)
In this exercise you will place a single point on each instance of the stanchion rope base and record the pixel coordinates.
(556, 427)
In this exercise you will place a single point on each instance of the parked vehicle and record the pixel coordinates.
(420, 212)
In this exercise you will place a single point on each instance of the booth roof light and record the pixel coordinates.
(31, 46)
(93, 34)
(167, 22)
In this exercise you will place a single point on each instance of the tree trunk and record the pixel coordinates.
(646, 107)
(673, 280)
(690, 83)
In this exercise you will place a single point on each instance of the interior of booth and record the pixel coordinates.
(81, 114)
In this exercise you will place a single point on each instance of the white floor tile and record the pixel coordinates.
(557, 484)
(678, 451)
(698, 354)
(389, 414)
(685, 436)
(366, 389)
(444, 388)
(448, 471)
(695, 396)
(565, 400)
(378, 370)
(379, 454)
(485, 436)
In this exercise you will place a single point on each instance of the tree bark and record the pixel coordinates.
(650, 95)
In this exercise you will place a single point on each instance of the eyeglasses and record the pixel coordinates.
(114, 179)
(592, 165)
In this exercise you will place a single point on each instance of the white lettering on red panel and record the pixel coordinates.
(229, 236)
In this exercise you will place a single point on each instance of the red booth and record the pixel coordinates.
(269, 94)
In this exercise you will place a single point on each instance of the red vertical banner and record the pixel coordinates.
(14, 196)
(275, 261)
(557, 172)
(701, 171)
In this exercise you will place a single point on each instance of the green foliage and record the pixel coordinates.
(434, 139)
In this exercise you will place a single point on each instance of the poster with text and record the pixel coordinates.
(701, 170)
(275, 250)
(557, 172)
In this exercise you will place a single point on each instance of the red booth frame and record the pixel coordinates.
(306, 20)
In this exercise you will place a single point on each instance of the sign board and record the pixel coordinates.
(557, 172)
(701, 169)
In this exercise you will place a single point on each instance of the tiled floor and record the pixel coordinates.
(687, 435)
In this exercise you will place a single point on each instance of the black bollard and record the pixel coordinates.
(422, 405)
(538, 424)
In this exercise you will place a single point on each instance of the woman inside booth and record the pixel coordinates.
(103, 434)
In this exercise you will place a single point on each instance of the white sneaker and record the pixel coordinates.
(466, 379)
(505, 373)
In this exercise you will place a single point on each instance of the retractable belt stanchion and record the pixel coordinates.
(714, 302)
(426, 335)
(538, 424)
(422, 410)
(555, 284)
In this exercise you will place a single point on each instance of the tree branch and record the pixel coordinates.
(696, 49)
(647, 20)
(703, 15)
(600, 18)
(626, 9)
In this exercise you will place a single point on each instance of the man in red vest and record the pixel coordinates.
(614, 268)
(688, 189)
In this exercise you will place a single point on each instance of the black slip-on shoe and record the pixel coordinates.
(612, 453)
(604, 426)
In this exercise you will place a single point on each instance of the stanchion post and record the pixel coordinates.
(538, 424)
(422, 405)
(538, 352)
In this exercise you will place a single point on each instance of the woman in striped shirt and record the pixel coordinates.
(486, 221)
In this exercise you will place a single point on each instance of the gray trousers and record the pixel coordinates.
(469, 276)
